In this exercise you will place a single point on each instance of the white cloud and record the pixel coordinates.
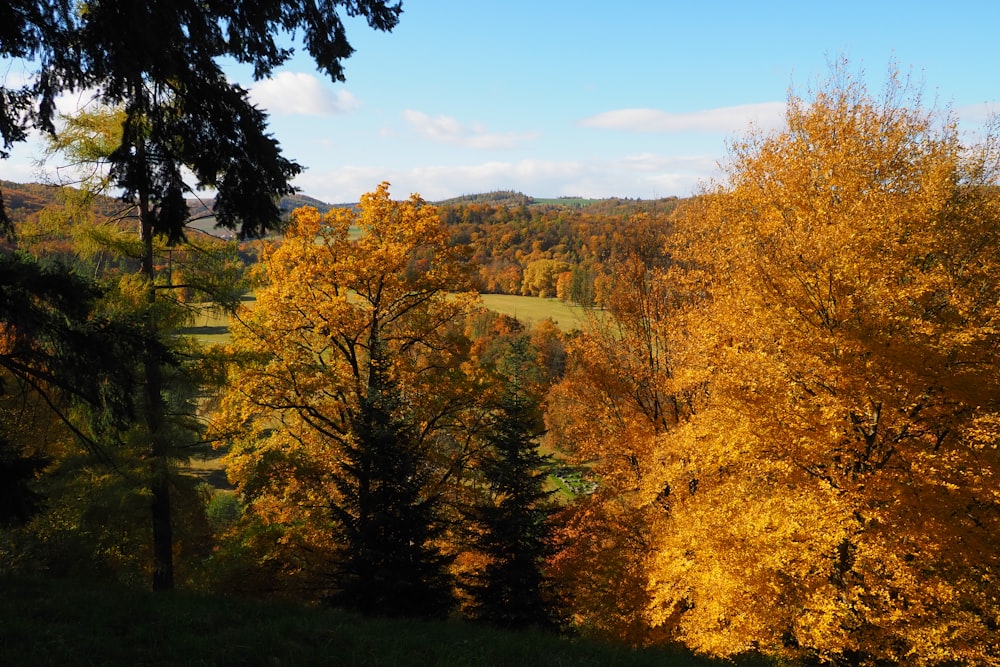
(977, 114)
(301, 94)
(448, 130)
(20, 167)
(644, 176)
(723, 119)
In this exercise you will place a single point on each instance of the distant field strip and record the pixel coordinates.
(212, 326)
(531, 309)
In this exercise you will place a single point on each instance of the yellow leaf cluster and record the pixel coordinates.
(327, 295)
(830, 488)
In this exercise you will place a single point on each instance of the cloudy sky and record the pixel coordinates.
(635, 98)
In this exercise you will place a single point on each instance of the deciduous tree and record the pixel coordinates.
(621, 391)
(836, 496)
(348, 384)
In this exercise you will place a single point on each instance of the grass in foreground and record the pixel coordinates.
(56, 622)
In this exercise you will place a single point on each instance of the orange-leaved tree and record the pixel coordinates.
(344, 399)
(837, 496)
(620, 392)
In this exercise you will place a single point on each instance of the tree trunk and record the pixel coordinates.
(163, 539)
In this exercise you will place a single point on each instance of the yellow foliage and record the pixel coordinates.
(797, 420)
(836, 493)
(303, 354)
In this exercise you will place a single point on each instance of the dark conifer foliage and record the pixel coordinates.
(55, 347)
(390, 565)
(161, 62)
(54, 338)
(511, 525)
(18, 500)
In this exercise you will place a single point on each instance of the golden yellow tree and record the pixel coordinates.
(348, 379)
(837, 493)
(620, 392)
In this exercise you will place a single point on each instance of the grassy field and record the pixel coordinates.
(56, 622)
(531, 309)
(212, 326)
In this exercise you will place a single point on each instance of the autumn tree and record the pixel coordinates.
(540, 277)
(345, 398)
(835, 495)
(511, 525)
(620, 391)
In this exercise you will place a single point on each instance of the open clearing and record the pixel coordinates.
(211, 326)
(532, 309)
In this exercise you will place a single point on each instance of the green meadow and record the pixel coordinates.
(211, 326)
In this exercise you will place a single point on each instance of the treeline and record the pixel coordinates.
(556, 251)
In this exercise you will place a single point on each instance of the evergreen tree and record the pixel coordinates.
(161, 63)
(511, 525)
(390, 565)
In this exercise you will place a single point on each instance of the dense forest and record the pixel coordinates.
(547, 250)
(776, 432)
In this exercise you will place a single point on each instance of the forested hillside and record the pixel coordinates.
(517, 246)
(776, 433)
(553, 250)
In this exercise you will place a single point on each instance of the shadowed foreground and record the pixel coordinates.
(49, 622)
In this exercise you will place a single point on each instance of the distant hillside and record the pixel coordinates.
(23, 200)
(202, 208)
(292, 202)
(497, 197)
(608, 205)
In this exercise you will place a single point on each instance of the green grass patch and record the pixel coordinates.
(211, 326)
(533, 309)
(57, 622)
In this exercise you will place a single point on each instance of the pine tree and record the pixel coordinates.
(511, 525)
(390, 565)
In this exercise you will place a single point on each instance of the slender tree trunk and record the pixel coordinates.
(163, 539)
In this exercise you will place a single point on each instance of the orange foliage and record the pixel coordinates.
(794, 424)
(837, 493)
(304, 352)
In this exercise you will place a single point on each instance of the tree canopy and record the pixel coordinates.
(161, 62)
(349, 378)
(835, 490)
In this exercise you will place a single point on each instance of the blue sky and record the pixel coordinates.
(635, 98)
